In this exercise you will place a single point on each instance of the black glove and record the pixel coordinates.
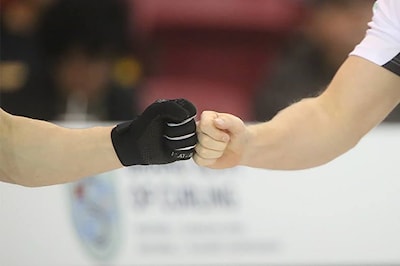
(165, 132)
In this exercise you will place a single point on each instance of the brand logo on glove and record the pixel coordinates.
(181, 156)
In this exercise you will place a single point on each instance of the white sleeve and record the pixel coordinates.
(381, 44)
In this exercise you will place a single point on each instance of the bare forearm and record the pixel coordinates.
(309, 133)
(302, 136)
(38, 153)
(315, 131)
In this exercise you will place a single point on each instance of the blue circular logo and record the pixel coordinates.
(95, 215)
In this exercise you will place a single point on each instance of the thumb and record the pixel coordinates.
(229, 123)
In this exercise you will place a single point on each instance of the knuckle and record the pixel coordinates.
(206, 113)
(201, 150)
(199, 160)
(204, 140)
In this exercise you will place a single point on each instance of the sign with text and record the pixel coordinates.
(347, 211)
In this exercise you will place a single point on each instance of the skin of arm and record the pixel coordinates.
(37, 153)
(308, 133)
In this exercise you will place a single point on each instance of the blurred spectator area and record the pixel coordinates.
(212, 52)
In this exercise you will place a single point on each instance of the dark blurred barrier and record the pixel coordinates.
(212, 52)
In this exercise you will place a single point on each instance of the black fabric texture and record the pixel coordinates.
(394, 65)
(145, 141)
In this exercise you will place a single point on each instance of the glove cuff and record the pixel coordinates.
(125, 145)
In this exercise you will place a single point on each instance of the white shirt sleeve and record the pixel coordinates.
(381, 44)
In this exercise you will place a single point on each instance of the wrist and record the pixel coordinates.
(250, 145)
(124, 140)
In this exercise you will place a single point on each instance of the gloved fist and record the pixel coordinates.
(165, 132)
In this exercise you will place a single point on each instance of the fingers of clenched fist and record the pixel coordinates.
(221, 139)
(212, 125)
(209, 148)
(212, 141)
